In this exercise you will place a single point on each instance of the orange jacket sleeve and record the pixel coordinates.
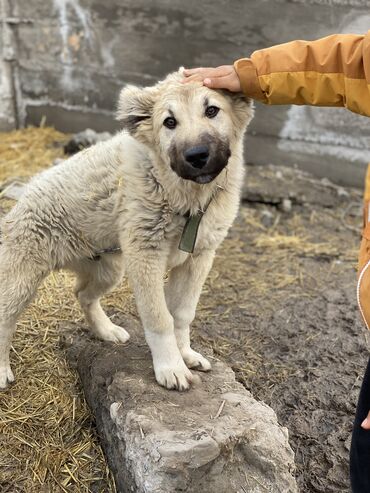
(332, 71)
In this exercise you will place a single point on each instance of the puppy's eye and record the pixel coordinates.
(211, 111)
(170, 122)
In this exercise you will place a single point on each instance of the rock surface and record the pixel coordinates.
(283, 187)
(214, 438)
(85, 139)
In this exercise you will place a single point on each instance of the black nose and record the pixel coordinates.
(197, 156)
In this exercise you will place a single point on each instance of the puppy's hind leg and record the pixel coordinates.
(19, 279)
(94, 279)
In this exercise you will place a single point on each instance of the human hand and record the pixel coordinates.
(224, 77)
(366, 422)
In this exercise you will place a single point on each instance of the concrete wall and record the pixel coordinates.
(66, 60)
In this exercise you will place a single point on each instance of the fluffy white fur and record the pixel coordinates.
(123, 192)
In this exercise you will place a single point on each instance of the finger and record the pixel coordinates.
(210, 72)
(192, 78)
(219, 83)
(191, 71)
(366, 422)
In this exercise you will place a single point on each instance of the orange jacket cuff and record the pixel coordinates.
(248, 79)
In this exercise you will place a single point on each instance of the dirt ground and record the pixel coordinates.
(279, 307)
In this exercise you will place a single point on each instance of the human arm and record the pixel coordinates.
(331, 71)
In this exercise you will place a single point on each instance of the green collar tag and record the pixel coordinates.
(190, 232)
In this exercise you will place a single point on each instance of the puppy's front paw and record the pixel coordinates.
(177, 377)
(169, 367)
(195, 360)
(6, 377)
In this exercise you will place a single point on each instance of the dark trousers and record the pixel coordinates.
(360, 446)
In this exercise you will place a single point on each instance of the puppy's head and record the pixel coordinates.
(193, 129)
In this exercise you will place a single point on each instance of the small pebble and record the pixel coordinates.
(286, 205)
(342, 193)
(267, 218)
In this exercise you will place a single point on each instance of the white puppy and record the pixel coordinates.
(144, 192)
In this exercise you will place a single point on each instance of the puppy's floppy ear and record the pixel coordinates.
(135, 106)
(243, 109)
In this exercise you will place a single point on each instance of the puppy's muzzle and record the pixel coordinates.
(200, 161)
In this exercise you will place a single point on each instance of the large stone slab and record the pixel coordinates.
(214, 438)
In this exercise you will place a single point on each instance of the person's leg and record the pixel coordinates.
(360, 446)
